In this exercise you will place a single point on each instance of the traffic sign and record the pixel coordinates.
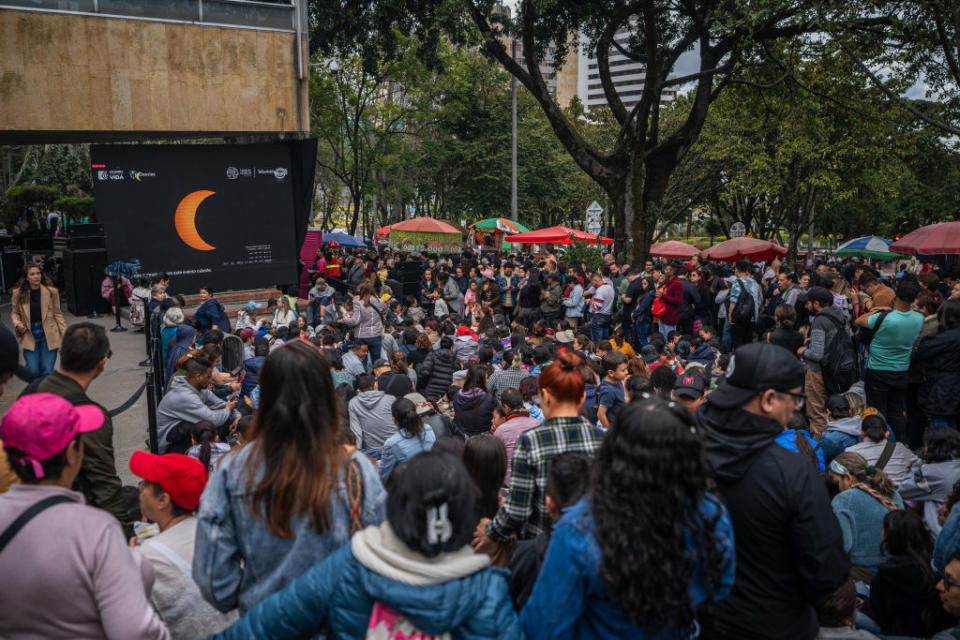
(594, 227)
(594, 211)
(738, 230)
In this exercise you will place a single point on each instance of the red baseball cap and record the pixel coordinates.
(183, 477)
(43, 424)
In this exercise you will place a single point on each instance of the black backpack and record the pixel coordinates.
(840, 366)
(865, 335)
(743, 310)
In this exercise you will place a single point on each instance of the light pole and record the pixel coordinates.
(513, 129)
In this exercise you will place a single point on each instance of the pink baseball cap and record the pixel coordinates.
(43, 424)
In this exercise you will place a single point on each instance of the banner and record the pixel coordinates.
(425, 242)
(224, 216)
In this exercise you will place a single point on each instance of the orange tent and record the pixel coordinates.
(424, 225)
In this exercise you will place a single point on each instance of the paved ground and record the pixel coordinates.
(120, 379)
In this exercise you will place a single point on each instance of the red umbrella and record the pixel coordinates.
(673, 249)
(556, 235)
(931, 240)
(744, 249)
(424, 225)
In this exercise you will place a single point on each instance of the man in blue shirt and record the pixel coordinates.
(895, 331)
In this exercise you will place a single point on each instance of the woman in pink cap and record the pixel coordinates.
(59, 551)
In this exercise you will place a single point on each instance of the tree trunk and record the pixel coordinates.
(632, 231)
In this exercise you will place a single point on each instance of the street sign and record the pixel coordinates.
(738, 230)
(594, 211)
(594, 227)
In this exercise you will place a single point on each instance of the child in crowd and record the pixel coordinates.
(610, 396)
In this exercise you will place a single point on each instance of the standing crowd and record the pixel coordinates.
(503, 446)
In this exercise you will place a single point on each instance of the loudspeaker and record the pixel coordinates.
(83, 270)
(87, 242)
(11, 266)
(86, 230)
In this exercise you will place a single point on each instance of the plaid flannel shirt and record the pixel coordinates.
(505, 379)
(525, 512)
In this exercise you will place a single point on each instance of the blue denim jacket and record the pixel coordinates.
(401, 446)
(237, 562)
(570, 598)
(948, 541)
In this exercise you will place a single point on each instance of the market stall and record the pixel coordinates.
(489, 234)
(557, 235)
(427, 235)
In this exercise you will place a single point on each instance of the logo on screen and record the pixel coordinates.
(280, 173)
(103, 175)
(233, 173)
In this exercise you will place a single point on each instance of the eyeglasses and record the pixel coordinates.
(948, 583)
(798, 398)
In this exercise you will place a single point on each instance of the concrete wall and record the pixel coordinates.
(90, 77)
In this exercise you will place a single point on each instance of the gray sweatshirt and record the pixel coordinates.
(183, 403)
(371, 419)
(822, 330)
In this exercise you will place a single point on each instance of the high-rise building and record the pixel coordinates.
(627, 75)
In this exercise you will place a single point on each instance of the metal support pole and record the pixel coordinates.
(152, 437)
(513, 149)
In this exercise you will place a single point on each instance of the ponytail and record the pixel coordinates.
(872, 476)
(804, 448)
(405, 414)
(204, 434)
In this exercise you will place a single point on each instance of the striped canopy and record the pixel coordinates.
(868, 247)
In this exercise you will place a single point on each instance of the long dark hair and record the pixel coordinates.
(204, 434)
(295, 441)
(485, 457)
(647, 491)
(405, 414)
(23, 286)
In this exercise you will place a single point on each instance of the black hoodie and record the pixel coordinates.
(788, 541)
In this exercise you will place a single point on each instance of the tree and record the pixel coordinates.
(635, 172)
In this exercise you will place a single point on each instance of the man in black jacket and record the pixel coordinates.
(789, 546)
(435, 375)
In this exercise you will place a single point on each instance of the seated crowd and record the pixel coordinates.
(515, 451)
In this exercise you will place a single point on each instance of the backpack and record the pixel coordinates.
(743, 310)
(840, 365)
(387, 624)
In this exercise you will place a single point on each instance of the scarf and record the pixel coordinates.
(884, 500)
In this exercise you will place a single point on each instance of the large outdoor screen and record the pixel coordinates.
(226, 216)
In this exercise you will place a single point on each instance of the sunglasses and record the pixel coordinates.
(798, 398)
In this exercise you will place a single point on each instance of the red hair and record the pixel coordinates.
(563, 379)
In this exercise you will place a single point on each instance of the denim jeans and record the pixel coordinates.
(665, 329)
(643, 330)
(41, 360)
(887, 392)
(375, 345)
(599, 327)
(727, 338)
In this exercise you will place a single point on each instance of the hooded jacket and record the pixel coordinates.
(179, 345)
(839, 435)
(365, 319)
(251, 378)
(904, 600)
(822, 330)
(455, 592)
(473, 411)
(371, 419)
(931, 484)
(789, 545)
(182, 407)
(941, 355)
(704, 354)
(436, 373)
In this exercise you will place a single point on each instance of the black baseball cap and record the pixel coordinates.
(649, 353)
(10, 356)
(380, 362)
(689, 385)
(838, 406)
(753, 369)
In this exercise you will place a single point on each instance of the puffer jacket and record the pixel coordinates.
(940, 355)
(436, 373)
(338, 595)
(251, 378)
(365, 319)
(473, 411)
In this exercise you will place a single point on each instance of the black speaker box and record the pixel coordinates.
(86, 230)
(88, 242)
(83, 270)
(11, 263)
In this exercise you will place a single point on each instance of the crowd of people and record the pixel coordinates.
(511, 447)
